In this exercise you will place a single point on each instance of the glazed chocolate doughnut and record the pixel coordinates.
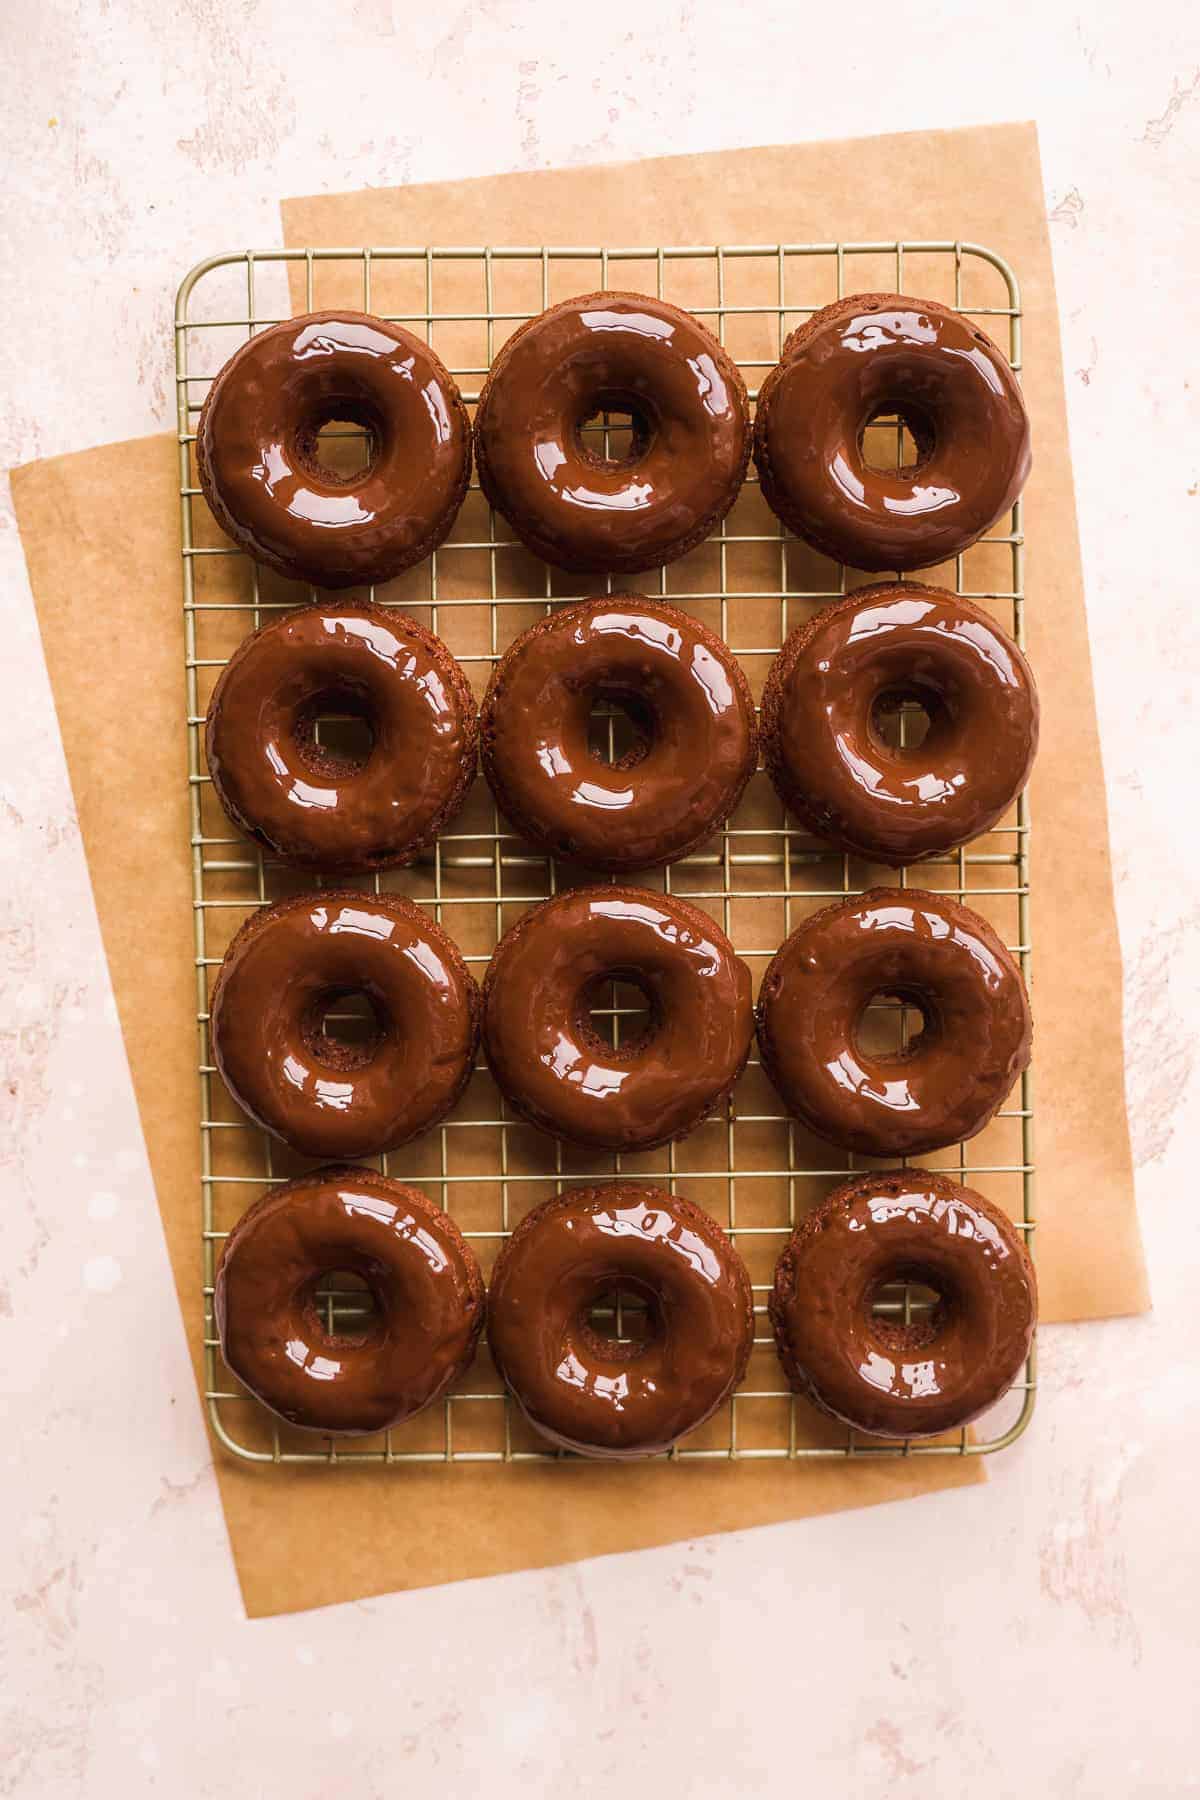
(821, 741)
(544, 1052)
(288, 965)
(936, 955)
(880, 1375)
(592, 1392)
(691, 433)
(305, 802)
(885, 353)
(681, 688)
(422, 1276)
(256, 449)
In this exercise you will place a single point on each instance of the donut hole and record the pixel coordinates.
(339, 443)
(343, 1029)
(617, 1015)
(908, 1309)
(621, 728)
(893, 1025)
(902, 717)
(620, 1320)
(896, 439)
(334, 734)
(616, 430)
(343, 1308)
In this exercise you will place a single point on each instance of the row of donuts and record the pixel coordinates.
(687, 702)
(552, 1295)
(292, 962)
(690, 438)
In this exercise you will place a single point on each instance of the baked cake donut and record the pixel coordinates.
(579, 1384)
(686, 696)
(878, 1374)
(308, 804)
(690, 444)
(258, 462)
(820, 734)
(932, 953)
(422, 1276)
(288, 966)
(957, 394)
(545, 1054)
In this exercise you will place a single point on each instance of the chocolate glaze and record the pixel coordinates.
(544, 1052)
(880, 1375)
(424, 1279)
(256, 448)
(288, 964)
(621, 352)
(592, 1393)
(827, 758)
(660, 800)
(884, 353)
(310, 806)
(937, 955)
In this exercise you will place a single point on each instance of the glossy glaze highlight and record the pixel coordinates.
(690, 698)
(288, 965)
(872, 354)
(544, 1052)
(257, 452)
(586, 1391)
(936, 955)
(876, 1373)
(690, 445)
(821, 742)
(424, 1279)
(308, 805)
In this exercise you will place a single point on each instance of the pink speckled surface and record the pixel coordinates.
(1041, 1637)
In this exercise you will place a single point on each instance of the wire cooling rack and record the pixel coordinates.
(752, 1167)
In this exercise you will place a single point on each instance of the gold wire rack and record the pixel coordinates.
(751, 1166)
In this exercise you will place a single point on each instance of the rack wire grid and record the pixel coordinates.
(754, 1168)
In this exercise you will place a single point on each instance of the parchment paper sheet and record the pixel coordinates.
(981, 185)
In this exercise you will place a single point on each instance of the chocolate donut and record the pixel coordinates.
(305, 802)
(681, 688)
(930, 952)
(690, 444)
(881, 1375)
(872, 354)
(422, 1276)
(586, 1389)
(257, 453)
(544, 1052)
(288, 966)
(823, 747)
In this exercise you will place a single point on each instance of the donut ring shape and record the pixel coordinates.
(690, 445)
(288, 965)
(880, 1375)
(679, 683)
(422, 1275)
(925, 949)
(308, 805)
(826, 756)
(886, 353)
(256, 449)
(546, 1056)
(587, 1391)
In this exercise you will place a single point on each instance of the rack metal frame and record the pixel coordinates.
(776, 855)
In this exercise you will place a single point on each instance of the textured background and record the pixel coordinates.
(1036, 1634)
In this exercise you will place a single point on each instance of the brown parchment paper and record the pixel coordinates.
(105, 578)
(100, 536)
(981, 185)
